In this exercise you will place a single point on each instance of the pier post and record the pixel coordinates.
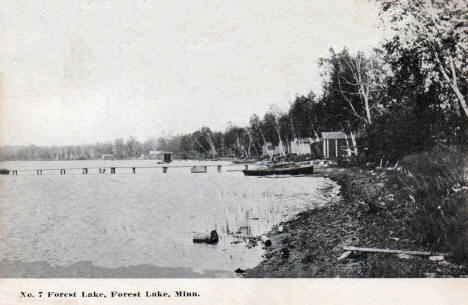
(219, 168)
(133, 170)
(112, 170)
(164, 169)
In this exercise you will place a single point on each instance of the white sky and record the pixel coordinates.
(82, 71)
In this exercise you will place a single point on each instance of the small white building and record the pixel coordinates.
(302, 146)
(269, 149)
(335, 144)
(107, 156)
(165, 156)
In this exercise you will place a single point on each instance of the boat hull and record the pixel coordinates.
(306, 170)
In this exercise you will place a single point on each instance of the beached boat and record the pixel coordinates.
(4, 171)
(292, 170)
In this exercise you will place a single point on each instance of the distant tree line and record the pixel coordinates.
(403, 97)
(120, 148)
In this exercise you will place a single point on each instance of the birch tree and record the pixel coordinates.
(437, 31)
(272, 118)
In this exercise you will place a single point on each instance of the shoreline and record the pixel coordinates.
(367, 215)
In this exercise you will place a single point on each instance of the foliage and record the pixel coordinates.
(395, 134)
(435, 31)
(437, 210)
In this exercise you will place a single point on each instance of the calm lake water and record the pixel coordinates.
(145, 218)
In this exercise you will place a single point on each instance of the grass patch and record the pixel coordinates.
(437, 208)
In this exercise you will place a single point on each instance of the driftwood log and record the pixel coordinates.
(391, 251)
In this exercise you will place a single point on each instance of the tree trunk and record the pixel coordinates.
(366, 103)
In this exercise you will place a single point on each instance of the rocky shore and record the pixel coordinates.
(369, 214)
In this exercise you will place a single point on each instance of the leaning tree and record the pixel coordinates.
(437, 31)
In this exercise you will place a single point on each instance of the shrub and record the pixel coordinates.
(395, 134)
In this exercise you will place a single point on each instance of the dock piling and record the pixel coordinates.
(219, 168)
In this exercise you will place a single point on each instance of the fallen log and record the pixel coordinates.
(436, 258)
(408, 252)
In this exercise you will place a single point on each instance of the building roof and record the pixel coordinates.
(157, 152)
(333, 135)
(305, 140)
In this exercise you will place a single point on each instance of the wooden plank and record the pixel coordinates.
(344, 255)
(391, 251)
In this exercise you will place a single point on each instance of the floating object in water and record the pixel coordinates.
(211, 238)
(199, 170)
(4, 171)
(265, 241)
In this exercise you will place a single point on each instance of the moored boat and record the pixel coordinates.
(296, 170)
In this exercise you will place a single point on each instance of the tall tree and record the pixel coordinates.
(435, 30)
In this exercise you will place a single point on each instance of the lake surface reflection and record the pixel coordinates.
(145, 218)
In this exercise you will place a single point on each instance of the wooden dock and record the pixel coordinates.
(113, 169)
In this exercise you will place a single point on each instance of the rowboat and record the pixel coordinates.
(293, 170)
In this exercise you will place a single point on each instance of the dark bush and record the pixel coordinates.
(394, 135)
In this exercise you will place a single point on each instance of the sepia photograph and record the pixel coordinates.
(236, 140)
